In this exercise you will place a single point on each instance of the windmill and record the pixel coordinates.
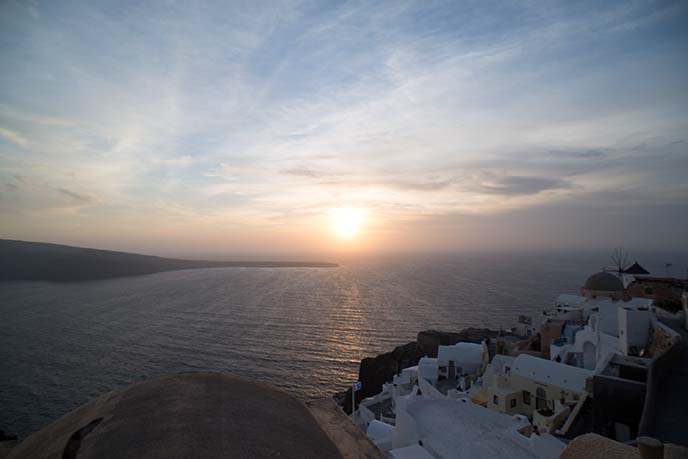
(620, 259)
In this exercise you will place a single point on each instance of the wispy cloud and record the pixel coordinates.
(511, 185)
(76, 198)
(14, 137)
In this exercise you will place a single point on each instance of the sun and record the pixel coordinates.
(347, 221)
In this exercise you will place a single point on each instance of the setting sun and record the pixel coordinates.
(347, 222)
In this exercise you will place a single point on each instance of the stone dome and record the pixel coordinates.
(604, 282)
(190, 415)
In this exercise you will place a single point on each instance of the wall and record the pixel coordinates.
(617, 400)
(609, 320)
(504, 398)
(665, 359)
(552, 393)
(634, 329)
(607, 345)
(661, 291)
(549, 332)
(586, 339)
(661, 339)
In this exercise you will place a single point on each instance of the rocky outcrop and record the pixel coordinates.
(375, 371)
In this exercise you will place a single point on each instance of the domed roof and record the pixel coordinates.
(603, 281)
(187, 415)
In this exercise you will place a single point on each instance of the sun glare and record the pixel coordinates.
(347, 222)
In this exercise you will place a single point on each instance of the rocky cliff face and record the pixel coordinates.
(375, 371)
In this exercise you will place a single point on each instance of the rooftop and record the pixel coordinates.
(550, 372)
(567, 302)
(460, 429)
(635, 268)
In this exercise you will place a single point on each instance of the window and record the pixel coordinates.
(526, 397)
(649, 291)
(513, 403)
(495, 400)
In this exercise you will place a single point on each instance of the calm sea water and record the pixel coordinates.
(304, 330)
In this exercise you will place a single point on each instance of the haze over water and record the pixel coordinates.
(304, 330)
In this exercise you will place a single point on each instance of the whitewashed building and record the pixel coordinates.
(541, 389)
(611, 327)
(460, 359)
(440, 427)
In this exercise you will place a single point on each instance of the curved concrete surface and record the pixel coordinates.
(190, 415)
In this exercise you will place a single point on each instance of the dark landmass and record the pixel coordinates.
(375, 371)
(20, 260)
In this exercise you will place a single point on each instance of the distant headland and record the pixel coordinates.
(21, 260)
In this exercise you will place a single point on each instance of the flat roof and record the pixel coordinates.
(550, 372)
(410, 452)
(461, 429)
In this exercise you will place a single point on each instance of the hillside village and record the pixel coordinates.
(604, 370)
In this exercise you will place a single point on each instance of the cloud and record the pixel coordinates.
(305, 172)
(431, 185)
(578, 154)
(14, 137)
(75, 198)
(519, 186)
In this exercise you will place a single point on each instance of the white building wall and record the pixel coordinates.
(607, 345)
(585, 343)
(634, 328)
(466, 356)
(407, 376)
(608, 321)
(428, 369)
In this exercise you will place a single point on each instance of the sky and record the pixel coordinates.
(237, 128)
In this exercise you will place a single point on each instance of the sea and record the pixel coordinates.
(302, 329)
